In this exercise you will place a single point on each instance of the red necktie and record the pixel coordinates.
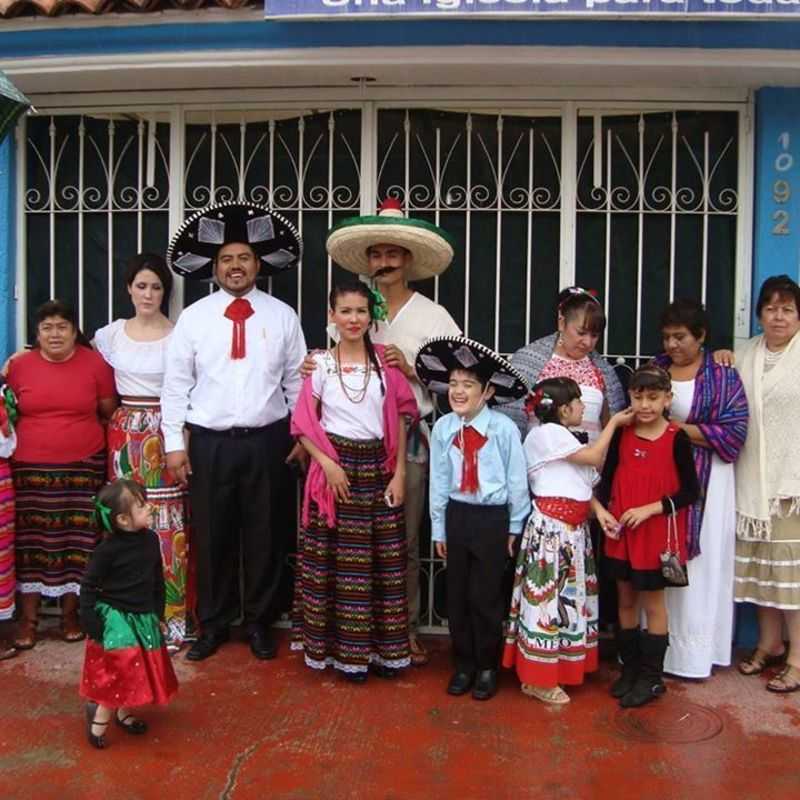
(469, 441)
(238, 311)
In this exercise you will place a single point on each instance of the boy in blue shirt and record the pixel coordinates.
(479, 498)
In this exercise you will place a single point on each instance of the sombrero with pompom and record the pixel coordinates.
(430, 246)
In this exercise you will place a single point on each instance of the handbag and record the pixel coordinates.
(673, 572)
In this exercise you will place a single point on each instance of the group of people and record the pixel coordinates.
(651, 512)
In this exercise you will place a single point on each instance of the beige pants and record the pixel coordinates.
(416, 485)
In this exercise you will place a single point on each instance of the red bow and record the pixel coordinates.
(469, 441)
(238, 311)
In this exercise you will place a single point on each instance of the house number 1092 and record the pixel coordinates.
(782, 188)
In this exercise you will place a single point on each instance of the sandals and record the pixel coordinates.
(71, 629)
(419, 655)
(136, 726)
(758, 661)
(98, 742)
(26, 634)
(554, 696)
(786, 681)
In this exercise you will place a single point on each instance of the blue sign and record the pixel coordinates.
(777, 196)
(397, 9)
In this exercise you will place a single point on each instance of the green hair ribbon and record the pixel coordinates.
(380, 311)
(103, 514)
(10, 400)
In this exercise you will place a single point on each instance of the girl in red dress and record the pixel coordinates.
(648, 476)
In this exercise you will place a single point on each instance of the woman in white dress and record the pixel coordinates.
(136, 349)
(709, 403)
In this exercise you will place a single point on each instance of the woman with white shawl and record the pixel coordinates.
(768, 484)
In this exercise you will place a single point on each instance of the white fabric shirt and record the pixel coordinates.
(204, 386)
(340, 415)
(138, 366)
(549, 475)
(417, 321)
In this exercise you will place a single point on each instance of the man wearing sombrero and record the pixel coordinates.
(232, 379)
(392, 249)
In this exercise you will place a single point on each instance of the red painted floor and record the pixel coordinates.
(243, 729)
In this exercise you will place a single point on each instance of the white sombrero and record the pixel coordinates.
(439, 356)
(275, 241)
(430, 246)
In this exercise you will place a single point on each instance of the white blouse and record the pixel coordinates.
(339, 414)
(138, 366)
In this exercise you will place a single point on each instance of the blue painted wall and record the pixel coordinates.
(7, 245)
(776, 245)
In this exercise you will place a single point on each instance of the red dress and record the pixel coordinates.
(645, 474)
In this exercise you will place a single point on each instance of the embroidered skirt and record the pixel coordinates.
(131, 667)
(8, 582)
(768, 573)
(136, 451)
(55, 527)
(350, 606)
(551, 634)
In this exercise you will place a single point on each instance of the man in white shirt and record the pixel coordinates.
(232, 379)
(393, 249)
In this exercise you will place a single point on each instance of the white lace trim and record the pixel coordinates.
(4, 615)
(768, 562)
(48, 591)
(770, 584)
(330, 661)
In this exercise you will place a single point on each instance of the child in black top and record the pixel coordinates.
(122, 611)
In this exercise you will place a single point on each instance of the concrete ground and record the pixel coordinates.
(243, 729)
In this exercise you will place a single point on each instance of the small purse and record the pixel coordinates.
(673, 572)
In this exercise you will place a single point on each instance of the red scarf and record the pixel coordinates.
(238, 311)
(472, 442)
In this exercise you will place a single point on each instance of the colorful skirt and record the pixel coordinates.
(350, 605)
(55, 526)
(131, 667)
(551, 634)
(8, 582)
(136, 452)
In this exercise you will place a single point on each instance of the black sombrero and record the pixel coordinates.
(442, 354)
(275, 241)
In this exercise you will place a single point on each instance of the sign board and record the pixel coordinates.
(442, 9)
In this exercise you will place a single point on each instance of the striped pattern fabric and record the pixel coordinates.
(350, 606)
(7, 580)
(55, 528)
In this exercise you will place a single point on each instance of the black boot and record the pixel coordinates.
(628, 647)
(649, 684)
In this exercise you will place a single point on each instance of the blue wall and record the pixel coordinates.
(7, 245)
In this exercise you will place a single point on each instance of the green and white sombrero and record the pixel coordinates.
(430, 246)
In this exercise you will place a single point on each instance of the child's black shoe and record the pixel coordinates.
(485, 685)
(98, 742)
(131, 724)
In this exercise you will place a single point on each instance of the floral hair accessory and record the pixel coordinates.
(103, 514)
(538, 399)
(579, 290)
(380, 310)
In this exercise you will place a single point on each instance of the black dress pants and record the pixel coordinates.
(237, 482)
(477, 538)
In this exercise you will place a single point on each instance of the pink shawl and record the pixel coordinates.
(399, 399)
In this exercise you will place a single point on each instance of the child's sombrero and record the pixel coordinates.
(430, 246)
(275, 241)
(438, 357)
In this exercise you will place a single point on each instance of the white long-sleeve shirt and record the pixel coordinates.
(204, 386)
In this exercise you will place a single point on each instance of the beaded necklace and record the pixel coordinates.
(360, 393)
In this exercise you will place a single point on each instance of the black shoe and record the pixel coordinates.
(649, 684)
(382, 671)
(131, 724)
(262, 645)
(629, 650)
(98, 742)
(355, 677)
(206, 646)
(485, 684)
(460, 683)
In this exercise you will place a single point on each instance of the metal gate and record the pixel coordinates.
(641, 204)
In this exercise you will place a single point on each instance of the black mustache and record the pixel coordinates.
(384, 271)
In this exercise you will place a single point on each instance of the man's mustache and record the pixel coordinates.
(384, 271)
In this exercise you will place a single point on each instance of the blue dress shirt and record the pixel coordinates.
(502, 473)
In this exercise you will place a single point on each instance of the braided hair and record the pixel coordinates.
(361, 289)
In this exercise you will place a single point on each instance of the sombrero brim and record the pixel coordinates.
(275, 241)
(430, 246)
(439, 356)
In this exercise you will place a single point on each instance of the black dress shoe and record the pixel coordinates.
(262, 645)
(206, 646)
(485, 684)
(382, 671)
(460, 683)
(355, 677)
